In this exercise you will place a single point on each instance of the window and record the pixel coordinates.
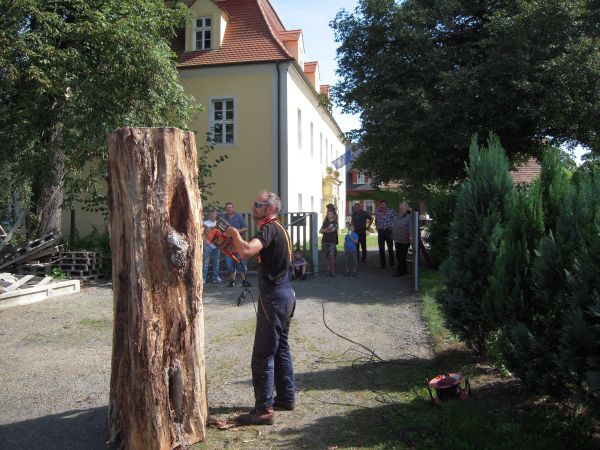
(299, 130)
(321, 147)
(312, 203)
(223, 121)
(312, 140)
(360, 179)
(370, 206)
(326, 152)
(299, 202)
(202, 33)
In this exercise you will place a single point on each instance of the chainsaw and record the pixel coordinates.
(217, 237)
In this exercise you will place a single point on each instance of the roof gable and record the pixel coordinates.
(251, 35)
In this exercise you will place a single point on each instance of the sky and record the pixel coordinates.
(313, 17)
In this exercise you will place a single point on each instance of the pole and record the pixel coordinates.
(415, 246)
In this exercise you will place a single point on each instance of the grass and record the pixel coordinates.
(97, 324)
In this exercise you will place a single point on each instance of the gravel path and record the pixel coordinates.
(56, 361)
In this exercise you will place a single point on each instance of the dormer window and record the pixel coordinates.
(203, 33)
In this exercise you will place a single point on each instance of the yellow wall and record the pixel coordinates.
(248, 168)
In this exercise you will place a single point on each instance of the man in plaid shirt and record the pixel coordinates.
(384, 218)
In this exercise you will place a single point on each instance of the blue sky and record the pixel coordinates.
(313, 17)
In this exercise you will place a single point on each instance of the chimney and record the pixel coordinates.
(311, 70)
(325, 90)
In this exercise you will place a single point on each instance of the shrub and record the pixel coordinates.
(481, 211)
(440, 207)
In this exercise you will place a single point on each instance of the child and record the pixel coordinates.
(350, 246)
(299, 265)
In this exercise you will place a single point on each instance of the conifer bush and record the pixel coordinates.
(531, 321)
(579, 358)
(483, 204)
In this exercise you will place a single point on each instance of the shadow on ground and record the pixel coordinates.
(70, 430)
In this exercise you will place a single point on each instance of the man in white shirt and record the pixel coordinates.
(211, 251)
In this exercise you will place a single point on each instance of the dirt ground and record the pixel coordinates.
(56, 361)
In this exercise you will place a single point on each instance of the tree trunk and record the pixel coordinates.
(50, 197)
(158, 383)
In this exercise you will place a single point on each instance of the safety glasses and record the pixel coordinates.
(259, 204)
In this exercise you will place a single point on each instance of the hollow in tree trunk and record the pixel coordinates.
(158, 385)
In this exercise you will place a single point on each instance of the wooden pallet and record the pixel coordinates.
(18, 290)
(39, 269)
(30, 250)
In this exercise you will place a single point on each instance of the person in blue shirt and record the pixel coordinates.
(299, 265)
(237, 221)
(350, 247)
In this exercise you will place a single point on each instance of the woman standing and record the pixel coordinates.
(329, 230)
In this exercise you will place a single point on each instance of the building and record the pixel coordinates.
(264, 105)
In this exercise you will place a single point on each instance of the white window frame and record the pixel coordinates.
(360, 178)
(299, 202)
(321, 147)
(203, 29)
(312, 140)
(312, 203)
(327, 162)
(369, 206)
(299, 129)
(213, 122)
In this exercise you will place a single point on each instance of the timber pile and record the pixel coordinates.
(23, 290)
(37, 255)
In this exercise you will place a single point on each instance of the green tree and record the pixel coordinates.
(425, 75)
(534, 313)
(579, 356)
(71, 72)
(511, 290)
(482, 207)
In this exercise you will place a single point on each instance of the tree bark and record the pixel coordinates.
(158, 383)
(49, 199)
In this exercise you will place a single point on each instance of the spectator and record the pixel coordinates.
(350, 247)
(299, 265)
(384, 218)
(236, 221)
(329, 230)
(361, 221)
(211, 251)
(401, 234)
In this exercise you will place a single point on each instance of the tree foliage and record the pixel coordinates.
(426, 75)
(71, 72)
(482, 207)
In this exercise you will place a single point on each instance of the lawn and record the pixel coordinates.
(501, 414)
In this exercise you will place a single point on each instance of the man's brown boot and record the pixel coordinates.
(256, 417)
(278, 405)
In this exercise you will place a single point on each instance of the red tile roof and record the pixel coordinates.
(526, 173)
(254, 34)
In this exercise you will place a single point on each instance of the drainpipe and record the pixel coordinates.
(278, 128)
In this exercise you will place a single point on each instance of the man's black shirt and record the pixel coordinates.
(274, 256)
(359, 220)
